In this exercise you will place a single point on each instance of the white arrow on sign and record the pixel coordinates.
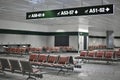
(43, 14)
(86, 11)
(58, 13)
(107, 9)
(76, 12)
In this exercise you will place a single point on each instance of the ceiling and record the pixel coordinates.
(15, 10)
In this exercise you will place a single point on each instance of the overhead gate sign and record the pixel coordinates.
(79, 11)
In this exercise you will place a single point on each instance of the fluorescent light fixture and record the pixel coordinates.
(60, 30)
(35, 1)
(82, 30)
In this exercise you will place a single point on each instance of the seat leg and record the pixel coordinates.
(40, 76)
(108, 62)
(1, 71)
(29, 77)
(61, 70)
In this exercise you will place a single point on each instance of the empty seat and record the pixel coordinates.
(42, 58)
(83, 54)
(15, 66)
(91, 54)
(22, 50)
(7, 50)
(99, 54)
(17, 50)
(62, 61)
(32, 49)
(5, 64)
(51, 60)
(109, 55)
(33, 57)
(27, 68)
(117, 54)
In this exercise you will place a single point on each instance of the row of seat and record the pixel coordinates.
(23, 67)
(34, 49)
(55, 61)
(19, 51)
(58, 49)
(50, 49)
(93, 47)
(99, 55)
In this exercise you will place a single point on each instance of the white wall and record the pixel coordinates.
(117, 42)
(73, 42)
(116, 33)
(83, 28)
(63, 28)
(97, 33)
(81, 42)
(35, 41)
(98, 41)
(4, 24)
(50, 41)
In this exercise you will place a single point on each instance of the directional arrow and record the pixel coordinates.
(76, 12)
(107, 9)
(43, 14)
(29, 16)
(86, 11)
(58, 13)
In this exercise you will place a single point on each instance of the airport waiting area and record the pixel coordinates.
(59, 39)
(87, 65)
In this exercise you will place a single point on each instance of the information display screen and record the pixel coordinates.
(61, 40)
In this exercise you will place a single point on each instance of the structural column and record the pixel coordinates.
(110, 39)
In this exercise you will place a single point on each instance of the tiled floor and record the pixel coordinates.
(94, 70)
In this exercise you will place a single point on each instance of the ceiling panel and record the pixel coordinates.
(15, 10)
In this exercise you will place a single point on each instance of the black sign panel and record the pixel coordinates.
(79, 11)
